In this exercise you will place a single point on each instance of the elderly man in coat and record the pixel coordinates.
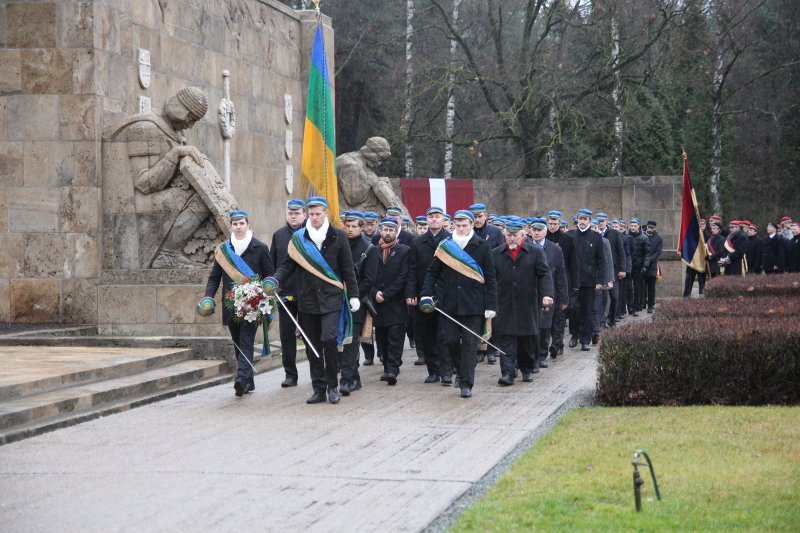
(558, 273)
(524, 285)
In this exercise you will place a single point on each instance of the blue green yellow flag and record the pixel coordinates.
(318, 176)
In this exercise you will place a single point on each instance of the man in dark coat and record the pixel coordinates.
(625, 283)
(566, 241)
(755, 249)
(405, 236)
(618, 256)
(558, 276)
(650, 266)
(320, 301)
(591, 262)
(494, 236)
(462, 278)
(524, 287)
(774, 255)
(365, 264)
(256, 256)
(793, 255)
(736, 249)
(638, 253)
(295, 217)
(392, 292)
(422, 250)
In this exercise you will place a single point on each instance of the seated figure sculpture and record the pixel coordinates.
(180, 200)
(359, 187)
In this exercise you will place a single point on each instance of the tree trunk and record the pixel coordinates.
(451, 101)
(405, 124)
(716, 116)
(616, 93)
(551, 150)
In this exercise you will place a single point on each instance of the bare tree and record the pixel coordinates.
(408, 110)
(451, 100)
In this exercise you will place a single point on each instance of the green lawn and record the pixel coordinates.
(718, 468)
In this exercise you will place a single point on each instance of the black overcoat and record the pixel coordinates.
(395, 281)
(555, 261)
(315, 296)
(617, 250)
(422, 250)
(278, 252)
(458, 295)
(256, 255)
(365, 262)
(590, 256)
(521, 284)
(566, 241)
(774, 255)
(654, 245)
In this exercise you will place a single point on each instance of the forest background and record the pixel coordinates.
(532, 89)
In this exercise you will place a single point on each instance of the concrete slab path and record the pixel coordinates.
(384, 459)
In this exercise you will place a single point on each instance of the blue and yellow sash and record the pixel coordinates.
(451, 254)
(305, 254)
(241, 273)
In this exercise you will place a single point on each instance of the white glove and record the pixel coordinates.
(355, 304)
(547, 301)
(489, 314)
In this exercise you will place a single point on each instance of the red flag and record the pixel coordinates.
(451, 195)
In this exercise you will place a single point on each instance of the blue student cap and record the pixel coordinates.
(294, 205)
(477, 209)
(584, 213)
(554, 214)
(432, 210)
(238, 215)
(388, 221)
(463, 214)
(317, 201)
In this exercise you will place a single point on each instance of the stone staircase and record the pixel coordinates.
(43, 388)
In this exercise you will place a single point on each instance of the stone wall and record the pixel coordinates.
(68, 70)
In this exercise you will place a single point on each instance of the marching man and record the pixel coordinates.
(462, 278)
(240, 258)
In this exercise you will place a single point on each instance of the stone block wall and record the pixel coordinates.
(68, 70)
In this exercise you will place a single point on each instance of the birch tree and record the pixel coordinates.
(408, 109)
(451, 100)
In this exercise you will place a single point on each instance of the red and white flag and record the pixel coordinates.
(451, 195)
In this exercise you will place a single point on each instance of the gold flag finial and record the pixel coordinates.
(316, 5)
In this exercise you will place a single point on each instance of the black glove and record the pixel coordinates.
(644, 270)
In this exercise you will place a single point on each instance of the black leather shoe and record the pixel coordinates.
(356, 385)
(481, 357)
(333, 395)
(535, 370)
(391, 378)
(447, 382)
(543, 363)
(491, 359)
(457, 383)
(289, 382)
(432, 379)
(553, 352)
(344, 389)
(584, 347)
(412, 344)
(573, 342)
(649, 310)
(505, 381)
(249, 387)
(560, 351)
(238, 389)
(384, 376)
(634, 314)
(317, 397)
(527, 377)
(369, 362)
(420, 361)
(465, 392)
(595, 338)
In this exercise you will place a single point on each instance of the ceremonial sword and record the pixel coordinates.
(303, 333)
(469, 330)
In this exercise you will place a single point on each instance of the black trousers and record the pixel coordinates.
(286, 331)
(574, 312)
(613, 295)
(688, 283)
(416, 324)
(390, 341)
(543, 342)
(638, 289)
(557, 331)
(322, 330)
(243, 336)
(348, 357)
(461, 346)
(513, 346)
(650, 291)
(431, 344)
(629, 306)
(586, 313)
(527, 353)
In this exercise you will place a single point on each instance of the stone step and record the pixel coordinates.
(39, 370)
(27, 416)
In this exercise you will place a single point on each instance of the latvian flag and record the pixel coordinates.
(451, 195)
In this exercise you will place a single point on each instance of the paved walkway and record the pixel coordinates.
(384, 459)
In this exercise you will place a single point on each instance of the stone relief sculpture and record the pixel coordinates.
(180, 201)
(359, 187)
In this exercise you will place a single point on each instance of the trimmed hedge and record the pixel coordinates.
(701, 360)
(765, 306)
(753, 286)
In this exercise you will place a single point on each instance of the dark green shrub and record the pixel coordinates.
(764, 306)
(701, 360)
(753, 286)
